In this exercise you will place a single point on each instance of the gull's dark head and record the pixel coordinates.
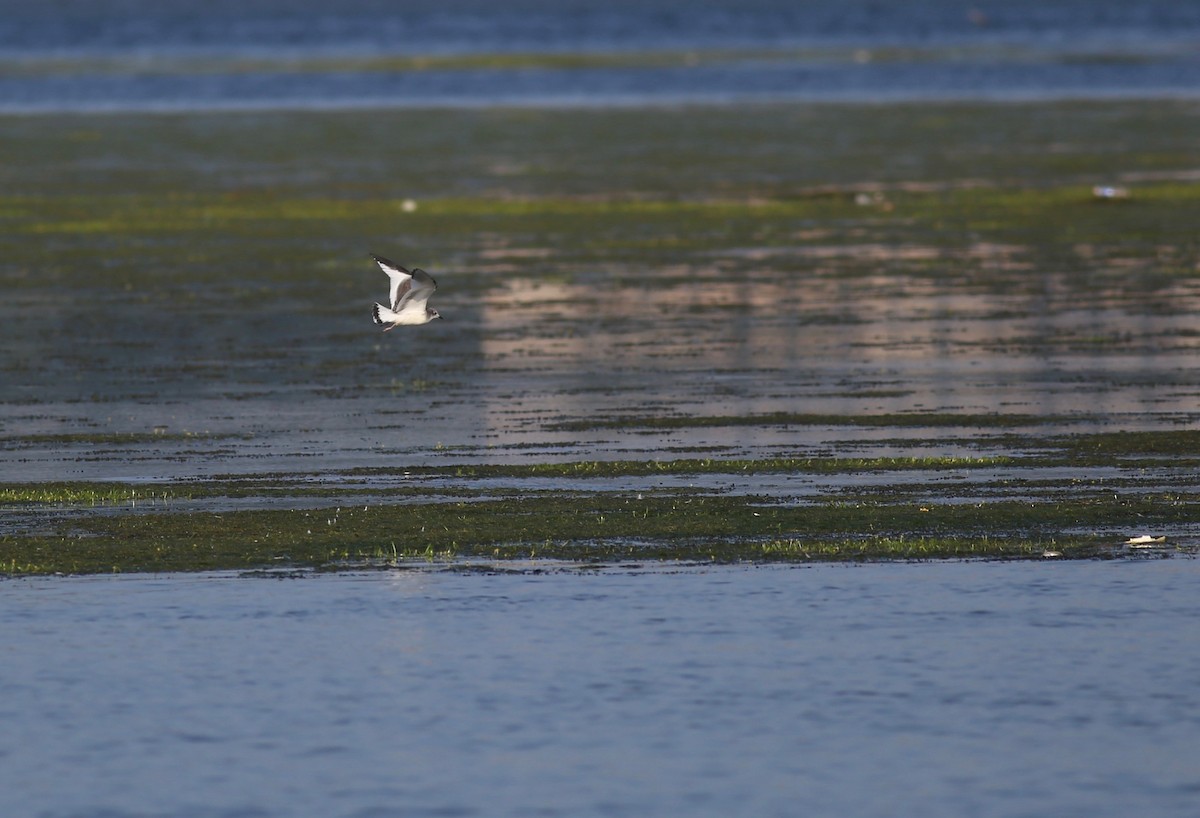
(433, 313)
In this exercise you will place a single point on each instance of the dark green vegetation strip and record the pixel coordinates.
(110, 438)
(80, 493)
(1125, 449)
(1053, 223)
(601, 526)
(591, 527)
(162, 64)
(643, 468)
(903, 420)
(1128, 450)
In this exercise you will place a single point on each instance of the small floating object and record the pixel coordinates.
(1110, 193)
(874, 199)
(1145, 541)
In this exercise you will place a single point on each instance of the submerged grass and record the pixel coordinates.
(112, 438)
(1181, 443)
(902, 420)
(598, 526)
(80, 493)
(1043, 217)
(590, 526)
(163, 64)
(696, 466)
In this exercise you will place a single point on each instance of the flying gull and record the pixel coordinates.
(409, 298)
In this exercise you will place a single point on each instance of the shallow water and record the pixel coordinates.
(601, 272)
(984, 689)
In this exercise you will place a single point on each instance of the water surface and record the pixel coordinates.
(119, 56)
(951, 689)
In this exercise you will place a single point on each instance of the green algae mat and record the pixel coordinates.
(754, 332)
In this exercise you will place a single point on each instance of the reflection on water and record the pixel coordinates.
(969, 688)
(530, 360)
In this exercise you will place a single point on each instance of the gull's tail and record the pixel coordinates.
(382, 315)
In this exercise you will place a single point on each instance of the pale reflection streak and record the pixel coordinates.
(995, 335)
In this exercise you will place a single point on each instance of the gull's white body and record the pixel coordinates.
(408, 298)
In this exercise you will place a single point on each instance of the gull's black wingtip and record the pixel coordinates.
(386, 262)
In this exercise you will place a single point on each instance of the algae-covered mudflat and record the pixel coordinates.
(725, 332)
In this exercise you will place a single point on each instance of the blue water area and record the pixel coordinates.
(841, 50)
(949, 689)
(443, 26)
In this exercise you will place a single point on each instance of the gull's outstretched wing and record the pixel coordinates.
(400, 277)
(421, 287)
